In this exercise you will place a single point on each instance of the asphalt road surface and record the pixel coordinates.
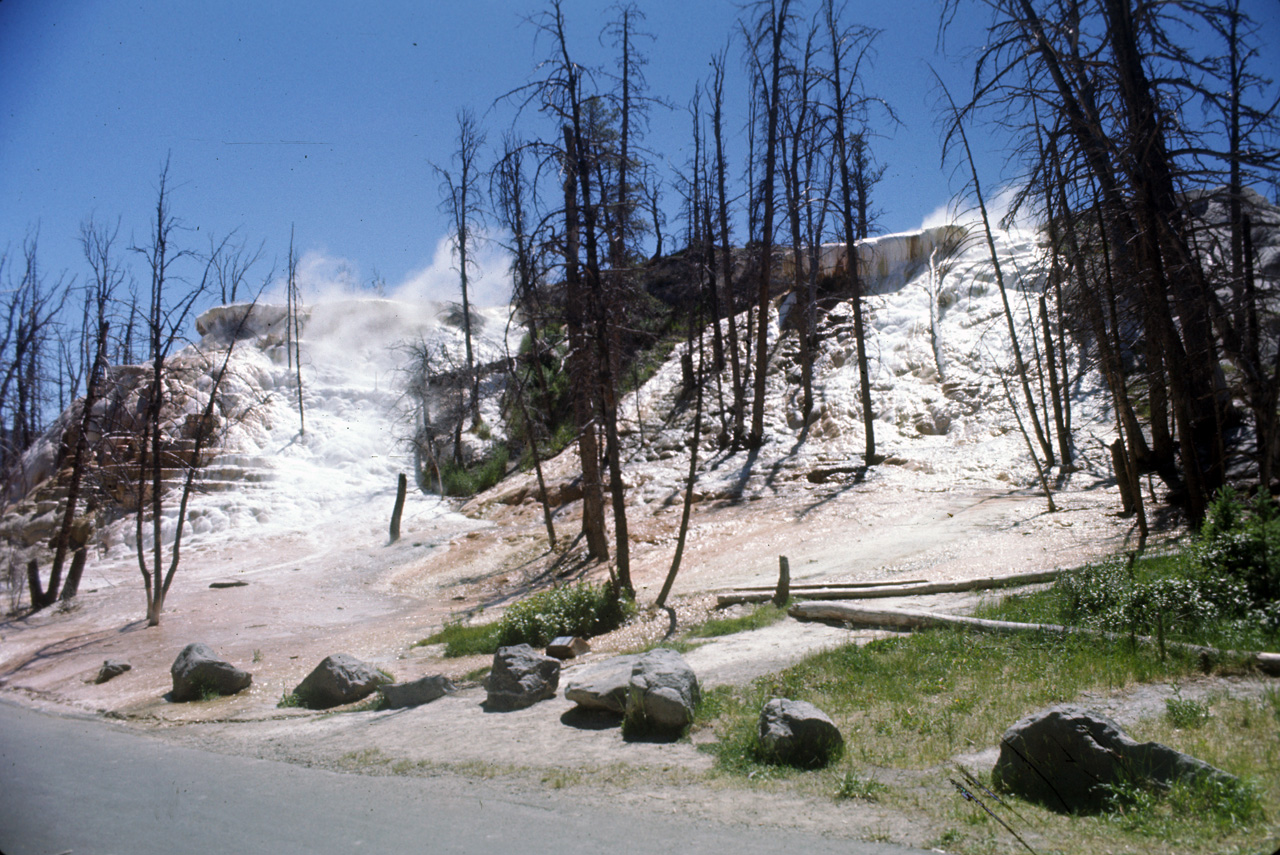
(88, 787)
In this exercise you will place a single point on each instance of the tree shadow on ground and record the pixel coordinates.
(858, 476)
(64, 646)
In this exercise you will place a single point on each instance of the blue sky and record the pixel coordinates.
(327, 116)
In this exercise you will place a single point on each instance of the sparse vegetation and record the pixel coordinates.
(462, 639)
(463, 481)
(1184, 713)
(1221, 590)
(765, 614)
(852, 785)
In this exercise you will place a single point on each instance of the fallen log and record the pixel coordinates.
(831, 586)
(1268, 663)
(850, 592)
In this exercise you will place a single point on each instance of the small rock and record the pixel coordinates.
(416, 693)
(198, 671)
(602, 685)
(798, 734)
(568, 647)
(339, 679)
(662, 693)
(1067, 758)
(111, 669)
(521, 676)
(238, 583)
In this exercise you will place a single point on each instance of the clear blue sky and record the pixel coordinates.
(327, 116)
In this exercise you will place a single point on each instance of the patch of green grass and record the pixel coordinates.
(915, 701)
(364, 760)
(464, 481)
(290, 700)
(679, 645)
(477, 674)
(1184, 713)
(765, 614)
(851, 785)
(462, 639)
(1220, 804)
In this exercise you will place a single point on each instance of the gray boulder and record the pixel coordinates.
(1067, 758)
(198, 672)
(521, 676)
(415, 694)
(339, 679)
(111, 669)
(602, 685)
(662, 693)
(798, 734)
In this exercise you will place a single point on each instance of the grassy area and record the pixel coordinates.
(462, 639)
(908, 705)
(759, 617)
(913, 702)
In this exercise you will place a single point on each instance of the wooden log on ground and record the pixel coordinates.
(909, 619)
(892, 590)
(832, 586)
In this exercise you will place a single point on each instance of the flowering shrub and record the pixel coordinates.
(582, 610)
(1225, 585)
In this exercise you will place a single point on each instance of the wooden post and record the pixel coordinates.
(783, 593)
(401, 485)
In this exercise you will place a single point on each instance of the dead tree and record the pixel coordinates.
(849, 47)
(767, 32)
(293, 330)
(166, 317)
(739, 405)
(461, 190)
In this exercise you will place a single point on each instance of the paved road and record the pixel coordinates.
(84, 786)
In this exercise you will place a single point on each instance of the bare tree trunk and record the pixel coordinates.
(726, 257)
(840, 108)
(776, 32)
(1019, 364)
(692, 479)
(582, 370)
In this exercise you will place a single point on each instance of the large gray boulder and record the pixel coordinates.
(602, 685)
(198, 672)
(1067, 758)
(414, 694)
(798, 734)
(662, 693)
(521, 676)
(339, 679)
